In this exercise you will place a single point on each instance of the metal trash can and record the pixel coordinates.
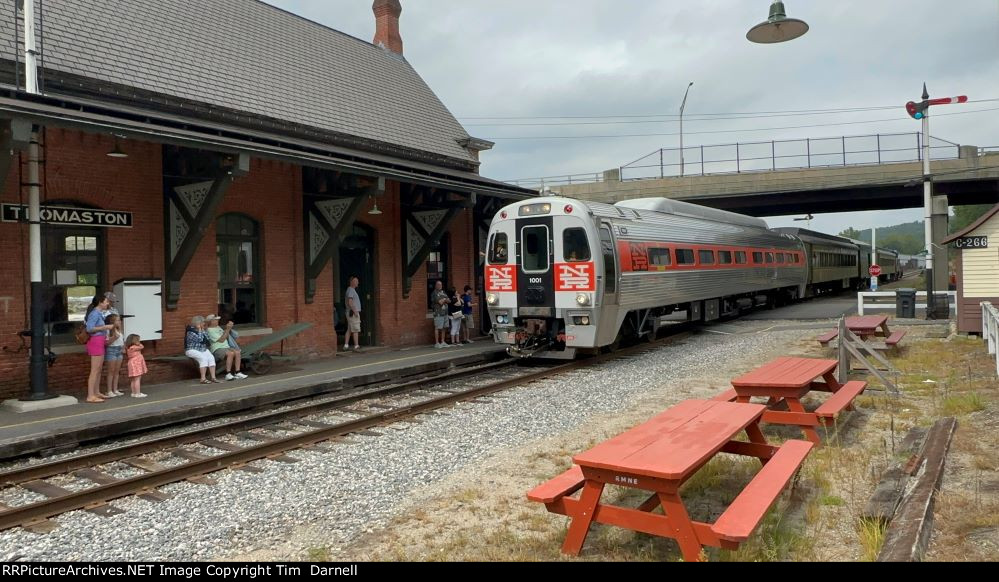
(905, 304)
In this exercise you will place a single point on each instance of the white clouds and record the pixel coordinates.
(612, 57)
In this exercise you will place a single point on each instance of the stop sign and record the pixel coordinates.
(875, 270)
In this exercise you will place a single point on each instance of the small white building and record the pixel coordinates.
(977, 269)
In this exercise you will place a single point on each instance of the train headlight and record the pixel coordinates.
(582, 299)
(492, 299)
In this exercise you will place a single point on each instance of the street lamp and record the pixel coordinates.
(778, 27)
(682, 107)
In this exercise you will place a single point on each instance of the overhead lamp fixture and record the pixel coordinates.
(778, 27)
(117, 151)
(374, 209)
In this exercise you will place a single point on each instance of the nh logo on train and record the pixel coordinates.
(501, 278)
(575, 277)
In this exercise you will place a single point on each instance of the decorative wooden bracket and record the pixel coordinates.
(327, 223)
(14, 136)
(190, 211)
(423, 231)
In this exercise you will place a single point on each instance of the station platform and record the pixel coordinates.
(61, 429)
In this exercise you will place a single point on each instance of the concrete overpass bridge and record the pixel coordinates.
(811, 176)
(843, 174)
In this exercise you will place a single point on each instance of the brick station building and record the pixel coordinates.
(250, 159)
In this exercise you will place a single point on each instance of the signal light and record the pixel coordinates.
(916, 110)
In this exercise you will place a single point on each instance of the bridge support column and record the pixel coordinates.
(941, 269)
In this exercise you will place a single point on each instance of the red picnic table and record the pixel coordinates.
(788, 380)
(659, 456)
(865, 327)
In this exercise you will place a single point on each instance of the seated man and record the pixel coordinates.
(220, 347)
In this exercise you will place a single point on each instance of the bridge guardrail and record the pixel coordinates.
(868, 301)
(990, 330)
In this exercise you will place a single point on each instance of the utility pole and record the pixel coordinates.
(682, 107)
(38, 375)
(921, 111)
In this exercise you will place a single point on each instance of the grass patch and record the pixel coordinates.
(832, 500)
(872, 537)
(318, 554)
(958, 404)
(775, 540)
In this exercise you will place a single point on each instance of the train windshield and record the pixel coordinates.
(575, 247)
(534, 249)
(498, 254)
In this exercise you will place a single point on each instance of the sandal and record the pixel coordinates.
(94, 401)
(206, 381)
(216, 381)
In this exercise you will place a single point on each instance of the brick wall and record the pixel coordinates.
(78, 170)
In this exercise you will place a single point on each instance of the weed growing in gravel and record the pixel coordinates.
(872, 537)
(959, 404)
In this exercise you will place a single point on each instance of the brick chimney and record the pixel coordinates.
(387, 24)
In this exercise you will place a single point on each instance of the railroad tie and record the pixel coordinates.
(192, 456)
(105, 479)
(53, 491)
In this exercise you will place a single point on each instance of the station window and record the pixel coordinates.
(72, 273)
(757, 258)
(437, 267)
(684, 256)
(706, 257)
(725, 257)
(575, 247)
(740, 257)
(659, 257)
(238, 251)
(499, 253)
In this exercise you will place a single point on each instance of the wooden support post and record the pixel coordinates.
(190, 212)
(422, 232)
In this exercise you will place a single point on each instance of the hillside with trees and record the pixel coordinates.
(909, 238)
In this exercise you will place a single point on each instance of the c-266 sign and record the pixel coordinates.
(972, 242)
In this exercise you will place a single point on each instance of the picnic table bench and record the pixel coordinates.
(257, 360)
(785, 381)
(866, 327)
(659, 456)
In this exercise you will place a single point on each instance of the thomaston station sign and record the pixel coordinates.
(69, 215)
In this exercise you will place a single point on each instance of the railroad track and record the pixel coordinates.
(272, 435)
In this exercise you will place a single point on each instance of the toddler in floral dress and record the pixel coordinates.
(136, 364)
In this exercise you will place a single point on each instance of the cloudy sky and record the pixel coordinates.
(571, 87)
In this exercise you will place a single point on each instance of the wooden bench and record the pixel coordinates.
(895, 338)
(840, 401)
(553, 490)
(727, 396)
(825, 338)
(737, 523)
(253, 354)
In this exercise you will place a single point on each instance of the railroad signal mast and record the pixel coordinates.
(920, 111)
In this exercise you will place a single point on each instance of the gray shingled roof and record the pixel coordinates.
(251, 57)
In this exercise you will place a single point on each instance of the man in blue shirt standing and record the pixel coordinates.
(467, 308)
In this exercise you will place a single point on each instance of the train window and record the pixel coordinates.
(498, 249)
(770, 258)
(758, 258)
(684, 256)
(659, 257)
(725, 257)
(780, 258)
(706, 257)
(789, 258)
(534, 249)
(740, 257)
(575, 247)
(610, 268)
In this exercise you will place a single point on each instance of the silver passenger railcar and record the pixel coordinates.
(563, 274)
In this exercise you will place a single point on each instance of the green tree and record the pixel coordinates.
(851, 233)
(964, 216)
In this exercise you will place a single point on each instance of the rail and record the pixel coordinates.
(990, 330)
(541, 183)
(797, 154)
(874, 301)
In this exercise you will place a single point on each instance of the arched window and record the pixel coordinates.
(238, 248)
